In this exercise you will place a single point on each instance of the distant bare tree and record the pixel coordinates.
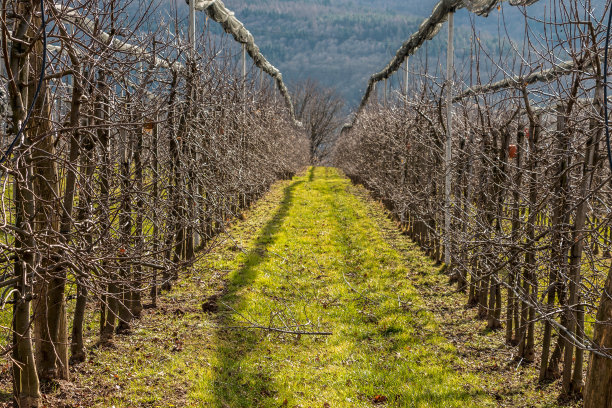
(319, 109)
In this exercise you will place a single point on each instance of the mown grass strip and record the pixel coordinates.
(320, 261)
(308, 258)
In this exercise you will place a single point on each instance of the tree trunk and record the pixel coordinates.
(25, 378)
(558, 245)
(77, 347)
(527, 327)
(156, 246)
(512, 308)
(500, 181)
(598, 392)
(108, 300)
(125, 230)
(172, 190)
(50, 306)
(573, 382)
(26, 392)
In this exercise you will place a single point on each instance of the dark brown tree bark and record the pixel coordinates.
(598, 392)
(573, 380)
(559, 247)
(512, 306)
(526, 338)
(26, 392)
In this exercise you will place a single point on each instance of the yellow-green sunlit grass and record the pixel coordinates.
(307, 258)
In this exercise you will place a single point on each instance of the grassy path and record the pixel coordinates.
(310, 257)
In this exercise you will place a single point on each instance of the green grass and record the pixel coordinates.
(308, 258)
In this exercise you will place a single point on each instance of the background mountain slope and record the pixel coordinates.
(340, 43)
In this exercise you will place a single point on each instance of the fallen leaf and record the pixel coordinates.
(379, 399)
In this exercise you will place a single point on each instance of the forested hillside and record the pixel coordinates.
(341, 42)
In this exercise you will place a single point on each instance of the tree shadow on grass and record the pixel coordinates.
(244, 376)
(236, 384)
(311, 170)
